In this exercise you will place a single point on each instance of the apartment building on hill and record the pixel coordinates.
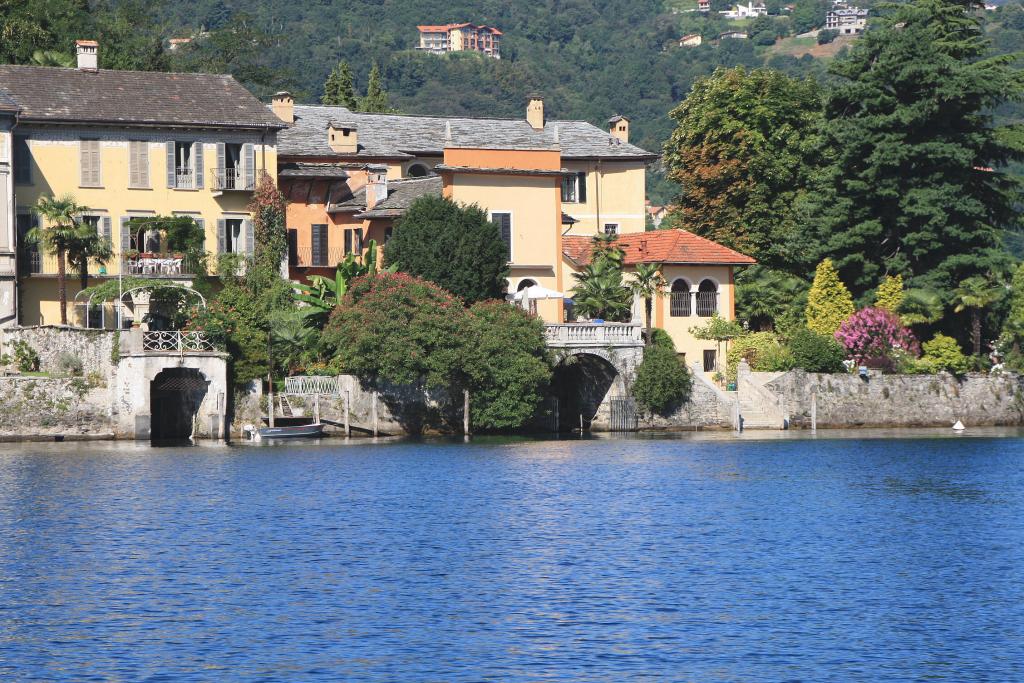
(439, 39)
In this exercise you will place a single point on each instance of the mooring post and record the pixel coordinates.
(814, 409)
(465, 412)
(374, 415)
(348, 407)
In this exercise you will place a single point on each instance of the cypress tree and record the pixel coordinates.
(915, 186)
(829, 302)
(339, 88)
(376, 99)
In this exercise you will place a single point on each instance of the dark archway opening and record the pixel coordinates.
(580, 384)
(175, 395)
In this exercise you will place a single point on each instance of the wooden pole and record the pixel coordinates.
(465, 412)
(316, 408)
(374, 413)
(814, 410)
(270, 400)
(348, 407)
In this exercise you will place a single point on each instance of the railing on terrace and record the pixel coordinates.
(707, 304)
(313, 384)
(593, 334)
(233, 179)
(307, 257)
(184, 178)
(160, 265)
(176, 341)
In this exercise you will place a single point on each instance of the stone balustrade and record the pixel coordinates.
(577, 335)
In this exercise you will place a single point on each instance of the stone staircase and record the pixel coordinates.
(754, 417)
(759, 407)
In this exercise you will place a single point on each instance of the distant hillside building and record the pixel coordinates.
(691, 40)
(848, 22)
(460, 38)
(732, 35)
(703, 5)
(745, 11)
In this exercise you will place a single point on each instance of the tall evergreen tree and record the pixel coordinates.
(340, 89)
(915, 186)
(376, 99)
(742, 153)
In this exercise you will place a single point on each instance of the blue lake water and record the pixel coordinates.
(683, 559)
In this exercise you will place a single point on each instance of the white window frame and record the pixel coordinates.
(511, 230)
(618, 229)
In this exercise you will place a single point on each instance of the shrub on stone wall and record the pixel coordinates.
(662, 381)
(761, 350)
(871, 335)
(815, 352)
(25, 357)
(943, 353)
(69, 365)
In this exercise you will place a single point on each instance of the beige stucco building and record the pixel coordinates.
(549, 186)
(131, 145)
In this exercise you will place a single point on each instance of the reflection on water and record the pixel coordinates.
(698, 557)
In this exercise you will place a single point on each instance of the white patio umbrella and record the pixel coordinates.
(536, 292)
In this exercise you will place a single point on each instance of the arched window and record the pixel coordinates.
(531, 304)
(707, 299)
(524, 284)
(418, 171)
(679, 299)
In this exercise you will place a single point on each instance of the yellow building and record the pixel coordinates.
(550, 186)
(132, 145)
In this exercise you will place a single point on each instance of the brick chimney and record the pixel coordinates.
(535, 112)
(376, 186)
(618, 127)
(88, 52)
(343, 137)
(283, 105)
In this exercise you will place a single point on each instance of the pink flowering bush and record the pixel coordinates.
(873, 336)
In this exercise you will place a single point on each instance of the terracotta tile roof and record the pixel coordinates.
(659, 246)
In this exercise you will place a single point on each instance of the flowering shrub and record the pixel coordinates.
(872, 334)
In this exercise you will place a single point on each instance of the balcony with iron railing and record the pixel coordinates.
(235, 179)
(161, 265)
(184, 178)
(307, 257)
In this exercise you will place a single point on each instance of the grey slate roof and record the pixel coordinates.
(301, 170)
(401, 195)
(7, 102)
(47, 93)
(395, 136)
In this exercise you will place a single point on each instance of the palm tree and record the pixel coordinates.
(599, 292)
(920, 307)
(976, 293)
(61, 230)
(648, 283)
(85, 246)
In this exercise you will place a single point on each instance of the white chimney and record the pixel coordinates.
(88, 52)
(535, 112)
(376, 186)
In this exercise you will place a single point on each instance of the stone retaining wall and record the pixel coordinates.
(93, 347)
(44, 407)
(902, 400)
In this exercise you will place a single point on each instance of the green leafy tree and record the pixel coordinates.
(60, 232)
(323, 294)
(504, 364)
(743, 153)
(815, 352)
(376, 99)
(87, 245)
(662, 383)
(718, 330)
(915, 185)
(340, 89)
(889, 294)
(648, 284)
(974, 295)
(829, 302)
(396, 328)
(453, 246)
(770, 299)
(1013, 328)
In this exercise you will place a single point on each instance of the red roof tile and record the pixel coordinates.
(659, 246)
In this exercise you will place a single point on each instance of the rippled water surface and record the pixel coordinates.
(602, 560)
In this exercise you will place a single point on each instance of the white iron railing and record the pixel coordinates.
(232, 179)
(313, 384)
(177, 341)
(593, 334)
